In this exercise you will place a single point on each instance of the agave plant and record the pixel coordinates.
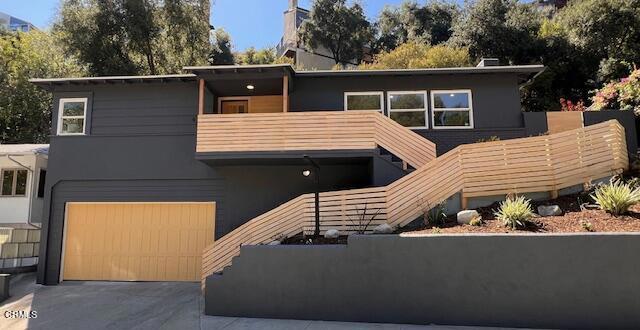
(616, 197)
(515, 212)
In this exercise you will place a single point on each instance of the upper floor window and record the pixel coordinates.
(364, 101)
(14, 182)
(72, 116)
(409, 109)
(452, 109)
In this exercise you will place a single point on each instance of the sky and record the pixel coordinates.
(260, 23)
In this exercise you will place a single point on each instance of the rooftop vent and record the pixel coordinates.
(488, 62)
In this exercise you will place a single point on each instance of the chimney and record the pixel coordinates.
(293, 4)
(488, 62)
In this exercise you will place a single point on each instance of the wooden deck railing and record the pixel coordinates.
(307, 131)
(535, 164)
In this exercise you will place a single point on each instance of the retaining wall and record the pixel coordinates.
(529, 280)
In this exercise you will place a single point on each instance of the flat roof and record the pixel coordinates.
(23, 149)
(196, 71)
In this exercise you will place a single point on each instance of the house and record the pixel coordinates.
(11, 23)
(23, 169)
(147, 171)
(292, 47)
(23, 172)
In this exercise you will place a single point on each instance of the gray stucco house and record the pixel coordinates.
(130, 155)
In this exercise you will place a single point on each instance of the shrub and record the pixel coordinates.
(586, 225)
(492, 138)
(567, 105)
(364, 218)
(433, 215)
(623, 94)
(476, 222)
(616, 197)
(515, 212)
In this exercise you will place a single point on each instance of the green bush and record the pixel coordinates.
(616, 197)
(515, 212)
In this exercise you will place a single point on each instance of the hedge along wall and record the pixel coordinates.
(530, 280)
(536, 123)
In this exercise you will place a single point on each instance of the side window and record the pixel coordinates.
(42, 178)
(72, 114)
(364, 101)
(14, 182)
(452, 109)
(409, 109)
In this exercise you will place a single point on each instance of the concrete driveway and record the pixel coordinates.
(137, 305)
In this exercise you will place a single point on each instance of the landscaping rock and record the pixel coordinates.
(464, 217)
(331, 233)
(549, 210)
(274, 243)
(383, 229)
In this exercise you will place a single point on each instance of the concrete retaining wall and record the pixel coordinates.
(542, 281)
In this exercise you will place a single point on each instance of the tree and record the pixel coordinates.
(429, 24)
(25, 110)
(252, 56)
(506, 29)
(341, 29)
(134, 37)
(413, 55)
(221, 53)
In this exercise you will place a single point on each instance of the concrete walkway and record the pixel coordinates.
(125, 305)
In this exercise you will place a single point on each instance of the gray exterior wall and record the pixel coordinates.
(496, 101)
(580, 281)
(141, 147)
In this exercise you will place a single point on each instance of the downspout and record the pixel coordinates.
(30, 195)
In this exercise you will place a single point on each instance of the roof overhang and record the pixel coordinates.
(50, 83)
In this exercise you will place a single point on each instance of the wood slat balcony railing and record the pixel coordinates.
(535, 164)
(311, 131)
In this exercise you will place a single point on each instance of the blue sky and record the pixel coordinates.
(259, 25)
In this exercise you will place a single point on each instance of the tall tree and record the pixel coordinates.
(259, 56)
(25, 110)
(430, 23)
(341, 29)
(506, 29)
(129, 37)
(221, 53)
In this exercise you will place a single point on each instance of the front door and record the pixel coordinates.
(234, 106)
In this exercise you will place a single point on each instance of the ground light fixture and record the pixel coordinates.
(316, 173)
(251, 87)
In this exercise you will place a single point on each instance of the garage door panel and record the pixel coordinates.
(136, 241)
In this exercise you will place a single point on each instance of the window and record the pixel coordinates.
(452, 109)
(42, 177)
(71, 116)
(364, 101)
(14, 183)
(409, 109)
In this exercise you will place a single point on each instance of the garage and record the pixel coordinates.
(136, 241)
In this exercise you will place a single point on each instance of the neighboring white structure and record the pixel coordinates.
(23, 169)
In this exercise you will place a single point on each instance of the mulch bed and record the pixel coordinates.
(309, 240)
(573, 220)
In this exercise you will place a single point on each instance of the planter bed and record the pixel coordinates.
(573, 220)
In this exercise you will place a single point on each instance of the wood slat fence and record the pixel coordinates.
(315, 130)
(534, 164)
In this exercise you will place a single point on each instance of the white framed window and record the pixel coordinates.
(408, 108)
(451, 109)
(364, 101)
(72, 113)
(14, 182)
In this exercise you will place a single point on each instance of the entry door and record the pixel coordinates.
(234, 106)
(136, 241)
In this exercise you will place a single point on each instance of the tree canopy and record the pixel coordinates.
(133, 37)
(414, 55)
(343, 30)
(221, 49)
(25, 110)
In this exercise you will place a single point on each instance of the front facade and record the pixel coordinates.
(15, 24)
(141, 165)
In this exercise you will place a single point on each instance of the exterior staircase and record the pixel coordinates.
(536, 164)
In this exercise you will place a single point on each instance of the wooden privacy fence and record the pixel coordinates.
(535, 164)
(305, 131)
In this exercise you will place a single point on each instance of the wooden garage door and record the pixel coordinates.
(136, 241)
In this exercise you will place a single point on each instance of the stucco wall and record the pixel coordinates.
(542, 281)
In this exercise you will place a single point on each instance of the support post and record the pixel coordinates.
(285, 93)
(201, 97)
(464, 201)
